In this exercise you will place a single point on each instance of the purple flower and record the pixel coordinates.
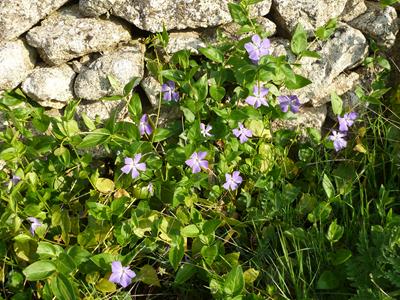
(259, 97)
(144, 126)
(205, 130)
(338, 140)
(132, 166)
(258, 48)
(35, 223)
(347, 121)
(197, 161)
(291, 102)
(15, 179)
(121, 275)
(150, 188)
(242, 133)
(232, 181)
(169, 91)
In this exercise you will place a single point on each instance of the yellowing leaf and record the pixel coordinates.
(105, 286)
(250, 275)
(105, 185)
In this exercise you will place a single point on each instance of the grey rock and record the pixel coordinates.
(66, 34)
(379, 23)
(152, 89)
(230, 30)
(179, 14)
(51, 86)
(122, 65)
(16, 62)
(345, 50)
(353, 9)
(307, 117)
(18, 16)
(193, 40)
(310, 13)
(94, 8)
(102, 110)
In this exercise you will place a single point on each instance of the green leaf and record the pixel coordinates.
(313, 54)
(328, 281)
(328, 186)
(190, 231)
(39, 270)
(335, 232)
(200, 88)
(148, 275)
(238, 13)
(131, 85)
(62, 288)
(47, 250)
(217, 92)
(95, 138)
(174, 75)
(298, 82)
(340, 256)
(161, 134)
(88, 122)
(213, 54)
(337, 104)
(299, 43)
(189, 115)
(209, 253)
(234, 282)
(184, 273)
(135, 106)
(176, 252)
(325, 32)
(99, 211)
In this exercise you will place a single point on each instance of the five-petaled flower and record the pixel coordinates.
(290, 102)
(35, 223)
(338, 140)
(133, 166)
(205, 130)
(169, 91)
(257, 48)
(144, 126)
(242, 133)
(259, 96)
(347, 121)
(121, 275)
(232, 181)
(197, 161)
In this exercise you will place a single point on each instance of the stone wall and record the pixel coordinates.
(59, 50)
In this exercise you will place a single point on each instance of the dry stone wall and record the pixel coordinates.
(59, 50)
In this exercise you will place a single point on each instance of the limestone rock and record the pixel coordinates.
(379, 23)
(18, 16)
(307, 117)
(193, 40)
(50, 87)
(16, 62)
(345, 50)
(353, 9)
(102, 109)
(310, 13)
(66, 35)
(122, 65)
(152, 89)
(179, 14)
(94, 8)
(190, 40)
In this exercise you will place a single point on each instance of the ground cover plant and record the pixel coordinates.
(214, 204)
